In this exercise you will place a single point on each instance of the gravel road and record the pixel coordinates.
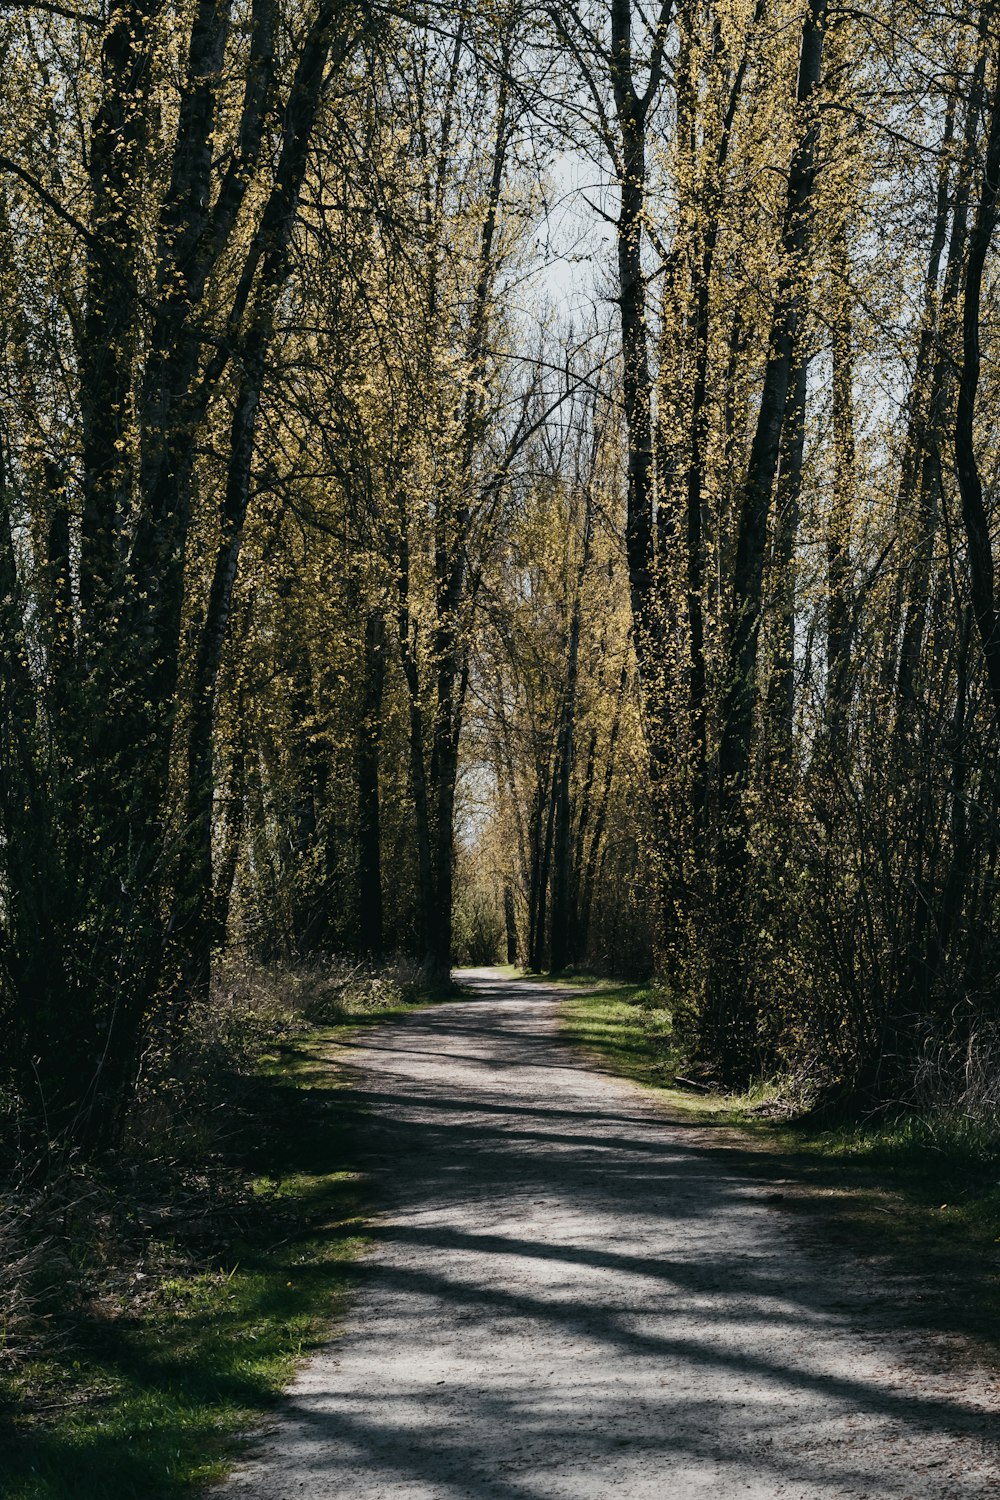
(572, 1296)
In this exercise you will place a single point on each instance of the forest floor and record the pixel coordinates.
(575, 1289)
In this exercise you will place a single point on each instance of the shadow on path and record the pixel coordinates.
(572, 1295)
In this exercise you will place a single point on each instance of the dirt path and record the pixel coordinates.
(572, 1297)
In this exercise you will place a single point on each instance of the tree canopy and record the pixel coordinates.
(511, 480)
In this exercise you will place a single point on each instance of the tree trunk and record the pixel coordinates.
(370, 921)
(838, 535)
(596, 847)
(562, 868)
(729, 1030)
(637, 389)
(781, 691)
(510, 923)
(919, 496)
(974, 517)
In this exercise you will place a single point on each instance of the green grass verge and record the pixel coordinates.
(625, 1025)
(149, 1392)
(921, 1193)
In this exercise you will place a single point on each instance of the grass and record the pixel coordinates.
(920, 1194)
(626, 1025)
(146, 1396)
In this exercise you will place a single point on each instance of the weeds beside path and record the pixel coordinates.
(919, 1193)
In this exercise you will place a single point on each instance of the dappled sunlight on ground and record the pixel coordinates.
(571, 1295)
